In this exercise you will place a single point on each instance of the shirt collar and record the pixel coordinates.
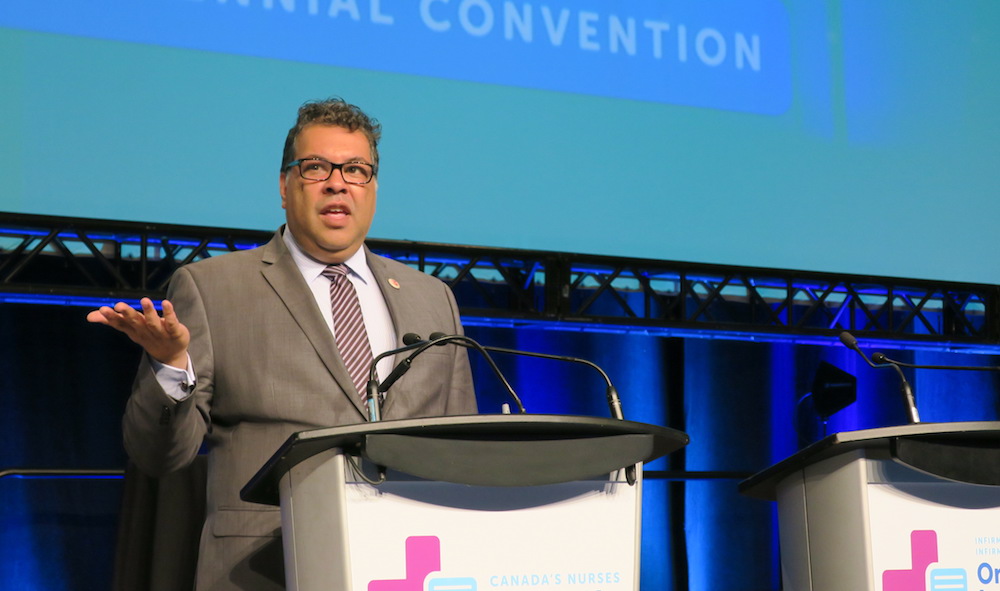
(311, 268)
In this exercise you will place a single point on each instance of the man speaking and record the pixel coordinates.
(255, 345)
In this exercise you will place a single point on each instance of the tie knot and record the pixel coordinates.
(335, 272)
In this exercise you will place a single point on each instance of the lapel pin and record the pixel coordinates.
(393, 283)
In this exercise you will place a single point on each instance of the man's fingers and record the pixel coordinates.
(121, 317)
(122, 314)
(147, 307)
(150, 316)
(164, 338)
(170, 321)
(98, 316)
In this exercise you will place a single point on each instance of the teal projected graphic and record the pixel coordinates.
(728, 54)
(844, 136)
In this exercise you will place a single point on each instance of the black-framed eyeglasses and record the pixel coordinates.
(317, 169)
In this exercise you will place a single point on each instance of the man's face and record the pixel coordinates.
(330, 218)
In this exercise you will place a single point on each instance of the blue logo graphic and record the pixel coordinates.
(452, 584)
(949, 579)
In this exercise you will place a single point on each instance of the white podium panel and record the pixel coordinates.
(932, 534)
(417, 535)
(862, 521)
(907, 508)
(543, 502)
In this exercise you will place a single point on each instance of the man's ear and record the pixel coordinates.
(281, 188)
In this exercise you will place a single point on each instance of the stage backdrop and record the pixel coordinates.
(64, 382)
(835, 135)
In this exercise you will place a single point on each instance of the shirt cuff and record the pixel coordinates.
(177, 383)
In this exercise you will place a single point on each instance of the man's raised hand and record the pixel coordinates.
(164, 338)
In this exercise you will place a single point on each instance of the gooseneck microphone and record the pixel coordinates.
(852, 343)
(415, 343)
(614, 402)
(374, 389)
(880, 358)
(882, 361)
(412, 338)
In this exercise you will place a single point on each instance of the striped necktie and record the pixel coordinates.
(349, 326)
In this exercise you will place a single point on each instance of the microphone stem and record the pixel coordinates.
(496, 370)
(374, 402)
(614, 402)
(462, 340)
(948, 367)
(373, 389)
(908, 398)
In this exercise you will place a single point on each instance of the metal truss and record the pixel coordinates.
(87, 262)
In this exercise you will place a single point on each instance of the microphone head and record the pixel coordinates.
(411, 338)
(437, 335)
(879, 358)
(848, 340)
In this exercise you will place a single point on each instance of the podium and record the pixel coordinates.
(462, 503)
(908, 508)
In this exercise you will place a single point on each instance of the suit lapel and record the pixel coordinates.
(397, 300)
(284, 277)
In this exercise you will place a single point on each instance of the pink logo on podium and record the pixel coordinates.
(423, 556)
(923, 552)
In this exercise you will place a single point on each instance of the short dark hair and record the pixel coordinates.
(336, 112)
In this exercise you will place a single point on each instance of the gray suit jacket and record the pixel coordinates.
(267, 366)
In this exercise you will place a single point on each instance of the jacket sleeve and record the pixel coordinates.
(162, 434)
(462, 395)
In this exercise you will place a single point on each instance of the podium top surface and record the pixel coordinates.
(763, 485)
(473, 449)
